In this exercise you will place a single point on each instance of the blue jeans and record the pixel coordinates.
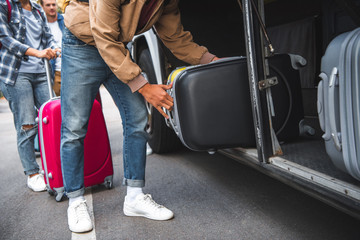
(83, 71)
(30, 90)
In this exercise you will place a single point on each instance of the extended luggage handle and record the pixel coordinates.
(48, 78)
(335, 134)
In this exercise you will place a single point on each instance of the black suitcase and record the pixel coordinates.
(287, 97)
(212, 107)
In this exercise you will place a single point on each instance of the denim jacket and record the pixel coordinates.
(60, 21)
(12, 37)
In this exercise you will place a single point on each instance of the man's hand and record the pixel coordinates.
(157, 96)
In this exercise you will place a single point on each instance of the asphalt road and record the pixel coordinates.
(212, 196)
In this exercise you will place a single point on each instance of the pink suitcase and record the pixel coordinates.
(98, 167)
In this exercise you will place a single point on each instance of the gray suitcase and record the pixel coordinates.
(339, 101)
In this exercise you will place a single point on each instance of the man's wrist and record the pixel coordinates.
(207, 58)
(137, 83)
(142, 88)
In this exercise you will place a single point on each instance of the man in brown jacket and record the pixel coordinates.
(94, 53)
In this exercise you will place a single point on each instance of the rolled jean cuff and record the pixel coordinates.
(30, 172)
(133, 183)
(76, 193)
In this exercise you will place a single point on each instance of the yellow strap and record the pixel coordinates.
(174, 73)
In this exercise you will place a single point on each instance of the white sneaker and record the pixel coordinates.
(36, 183)
(145, 206)
(149, 150)
(78, 217)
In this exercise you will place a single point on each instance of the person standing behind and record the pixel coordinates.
(26, 39)
(56, 25)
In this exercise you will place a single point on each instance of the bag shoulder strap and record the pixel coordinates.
(9, 10)
(39, 13)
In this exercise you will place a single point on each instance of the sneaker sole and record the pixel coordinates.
(81, 231)
(128, 212)
(38, 190)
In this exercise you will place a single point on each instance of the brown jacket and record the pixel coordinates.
(114, 22)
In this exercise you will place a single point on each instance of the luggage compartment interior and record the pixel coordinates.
(310, 153)
(306, 28)
(303, 27)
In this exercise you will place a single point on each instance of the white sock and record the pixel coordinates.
(75, 199)
(132, 193)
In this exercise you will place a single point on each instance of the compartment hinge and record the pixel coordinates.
(269, 82)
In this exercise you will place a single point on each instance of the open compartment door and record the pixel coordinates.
(266, 141)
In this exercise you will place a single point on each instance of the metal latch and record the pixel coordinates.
(269, 82)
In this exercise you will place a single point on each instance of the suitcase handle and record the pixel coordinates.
(333, 82)
(320, 101)
(48, 78)
(171, 122)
